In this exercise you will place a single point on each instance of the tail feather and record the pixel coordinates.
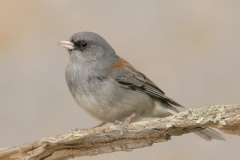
(209, 134)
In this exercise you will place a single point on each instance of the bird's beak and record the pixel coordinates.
(66, 44)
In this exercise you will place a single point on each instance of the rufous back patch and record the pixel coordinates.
(120, 63)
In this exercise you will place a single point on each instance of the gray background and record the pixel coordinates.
(189, 48)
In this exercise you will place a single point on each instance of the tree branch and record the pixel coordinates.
(141, 134)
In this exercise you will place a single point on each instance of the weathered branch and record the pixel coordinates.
(142, 134)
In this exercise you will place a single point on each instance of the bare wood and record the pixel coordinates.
(141, 134)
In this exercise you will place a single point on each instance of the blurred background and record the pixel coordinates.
(190, 49)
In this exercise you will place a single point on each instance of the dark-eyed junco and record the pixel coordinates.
(111, 89)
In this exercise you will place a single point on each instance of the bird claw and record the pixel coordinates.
(123, 125)
(77, 129)
(99, 125)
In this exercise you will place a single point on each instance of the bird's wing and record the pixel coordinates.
(135, 80)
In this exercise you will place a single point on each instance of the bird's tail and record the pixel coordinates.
(206, 133)
(209, 134)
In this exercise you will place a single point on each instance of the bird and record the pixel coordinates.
(110, 89)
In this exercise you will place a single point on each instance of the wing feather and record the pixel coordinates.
(139, 82)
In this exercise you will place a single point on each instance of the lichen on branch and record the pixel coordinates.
(141, 134)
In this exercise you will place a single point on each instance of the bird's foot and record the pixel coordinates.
(123, 125)
(99, 125)
(77, 129)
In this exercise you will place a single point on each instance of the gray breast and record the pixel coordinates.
(103, 97)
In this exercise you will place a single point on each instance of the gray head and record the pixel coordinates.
(88, 48)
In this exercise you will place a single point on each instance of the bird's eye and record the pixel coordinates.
(83, 44)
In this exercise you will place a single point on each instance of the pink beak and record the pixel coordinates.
(66, 44)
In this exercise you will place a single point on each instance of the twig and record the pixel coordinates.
(141, 134)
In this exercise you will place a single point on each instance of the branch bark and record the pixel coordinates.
(141, 134)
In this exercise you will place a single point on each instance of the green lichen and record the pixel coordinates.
(211, 113)
(168, 126)
(199, 120)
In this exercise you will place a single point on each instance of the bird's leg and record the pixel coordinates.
(123, 125)
(100, 125)
(128, 119)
